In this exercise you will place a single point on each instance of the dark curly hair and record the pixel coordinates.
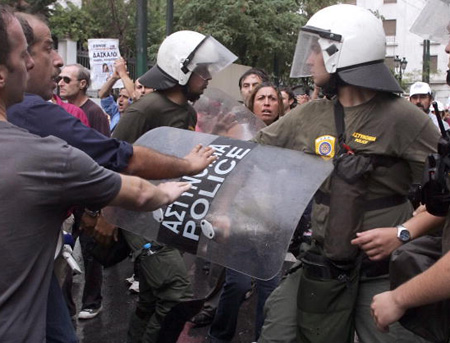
(251, 100)
(254, 71)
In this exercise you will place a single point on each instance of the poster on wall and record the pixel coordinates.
(102, 54)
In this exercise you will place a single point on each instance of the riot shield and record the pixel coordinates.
(220, 114)
(432, 22)
(241, 211)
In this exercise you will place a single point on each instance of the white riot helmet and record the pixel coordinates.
(353, 45)
(182, 53)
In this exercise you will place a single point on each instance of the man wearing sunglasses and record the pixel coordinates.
(74, 82)
(185, 63)
(39, 116)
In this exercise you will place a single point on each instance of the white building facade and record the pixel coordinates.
(398, 17)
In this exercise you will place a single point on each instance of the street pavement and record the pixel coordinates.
(111, 325)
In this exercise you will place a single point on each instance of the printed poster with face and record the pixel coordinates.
(102, 54)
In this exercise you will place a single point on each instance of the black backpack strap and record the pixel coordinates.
(384, 161)
(340, 125)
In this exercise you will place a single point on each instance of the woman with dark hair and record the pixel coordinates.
(266, 102)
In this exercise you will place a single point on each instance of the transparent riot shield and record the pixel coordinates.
(433, 21)
(220, 114)
(241, 211)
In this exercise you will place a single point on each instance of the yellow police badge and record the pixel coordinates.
(324, 146)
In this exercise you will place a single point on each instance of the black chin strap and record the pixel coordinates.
(330, 88)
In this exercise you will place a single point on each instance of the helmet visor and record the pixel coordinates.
(306, 51)
(208, 58)
(433, 22)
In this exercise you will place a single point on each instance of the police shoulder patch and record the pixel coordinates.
(324, 146)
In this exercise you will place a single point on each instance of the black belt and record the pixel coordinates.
(374, 268)
(370, 205)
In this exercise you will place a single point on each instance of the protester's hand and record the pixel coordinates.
(420, 209)
(88, 223)
(136, 95)
(105, 233)
(385, 310)
(224, 124)
(302, 99)
(378, 243)
(173, 190)
(120, 67)
(199, 158)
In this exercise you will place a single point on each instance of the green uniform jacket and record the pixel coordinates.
(385, 125)
(151, 111)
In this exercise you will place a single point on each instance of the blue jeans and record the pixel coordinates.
(233, 294)
(59, 325)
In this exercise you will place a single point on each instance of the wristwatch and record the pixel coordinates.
(93, 214)
(403, 234)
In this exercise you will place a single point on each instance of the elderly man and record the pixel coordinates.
(420, 94)
(45, 177)
(74, 81)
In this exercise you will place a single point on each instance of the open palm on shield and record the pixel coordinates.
(242, 210)
(220, 114)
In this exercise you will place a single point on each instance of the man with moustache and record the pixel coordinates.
(41, 117)
(420, 95)
(42, 179)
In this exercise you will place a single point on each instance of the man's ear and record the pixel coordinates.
(3, 75)
(83, 84)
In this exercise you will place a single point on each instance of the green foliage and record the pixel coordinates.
(114, 19)
(73, 22)
(31, 6)
(109, 19)
(309, 7)
(156, 27)
(262, 33)
(97, 19)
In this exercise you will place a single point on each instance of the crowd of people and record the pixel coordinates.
(65, 158)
